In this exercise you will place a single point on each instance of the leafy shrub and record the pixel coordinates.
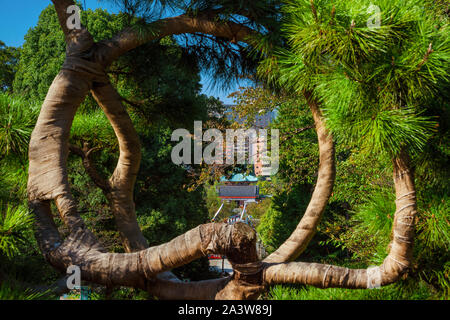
(17, 120)
(15, 223)
(10, 291)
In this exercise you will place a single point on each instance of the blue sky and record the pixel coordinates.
(18, 16)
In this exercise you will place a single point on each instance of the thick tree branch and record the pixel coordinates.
(289, 135)
(81, 248)
(307, 227)
(48, 151)
(202, 23)
(61, 10)
(394, 266)
(124, 176)
(89, 166)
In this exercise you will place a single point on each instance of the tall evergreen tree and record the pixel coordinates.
(8, 66)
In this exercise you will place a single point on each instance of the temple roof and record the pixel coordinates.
(239, 177)
(239, 192)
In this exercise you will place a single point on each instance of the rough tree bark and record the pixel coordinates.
(148, 268)
(302, 235)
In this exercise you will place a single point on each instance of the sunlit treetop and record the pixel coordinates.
(375, 79)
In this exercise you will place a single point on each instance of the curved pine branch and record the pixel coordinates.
(394, 265)
(302, 235)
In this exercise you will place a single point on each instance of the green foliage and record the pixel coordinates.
(19, 255)
(432, 163)
(367, 233)
(17, 119)
(13, 182)
(376, 214)
(165, 207)
(8, 64)
(380, 130)
(282, 216)
(433, 226)
(45, 42)
(359, 175)
(122, 293)
(298, 150)
(10, 291)
(401, 291)
(43, 51)
(15, 224)
(374, 82)
(84, 124)
(432, 245)
(160, 81)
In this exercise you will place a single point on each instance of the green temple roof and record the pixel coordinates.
(239, 177)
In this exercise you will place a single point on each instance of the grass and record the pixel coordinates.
(9, 291)
(406, 290)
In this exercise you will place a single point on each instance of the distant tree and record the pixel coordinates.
(8, 65)
(44, 49)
